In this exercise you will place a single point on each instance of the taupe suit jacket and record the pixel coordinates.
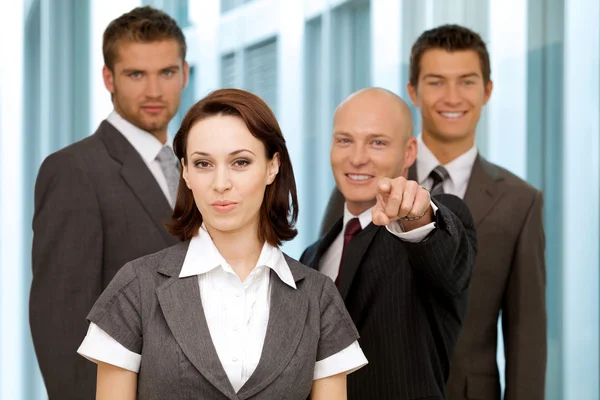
(97, 206)
(509, 278)
(151, 311)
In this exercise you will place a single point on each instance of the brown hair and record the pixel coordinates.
(142, 25)
(279, 210)
(450, 38)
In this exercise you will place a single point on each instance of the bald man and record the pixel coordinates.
(401, 260)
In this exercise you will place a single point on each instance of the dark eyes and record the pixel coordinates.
(238, 163)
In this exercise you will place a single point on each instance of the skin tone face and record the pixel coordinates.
(450, 94)
(372, 139)
(228, 172)
(146, 84)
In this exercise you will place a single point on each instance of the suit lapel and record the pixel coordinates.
(287, 315)
(181, 305)
(139, 178)
(482, 190)
(353, 256)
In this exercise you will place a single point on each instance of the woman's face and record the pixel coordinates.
(227, 171)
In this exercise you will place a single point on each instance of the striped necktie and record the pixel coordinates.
(439, 175)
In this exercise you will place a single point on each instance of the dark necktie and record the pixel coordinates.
(439, 175)
(352, 228)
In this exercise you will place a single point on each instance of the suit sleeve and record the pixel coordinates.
(67, 273)
(337, 329)
(446, 258)
(117, 315)
(524, 311)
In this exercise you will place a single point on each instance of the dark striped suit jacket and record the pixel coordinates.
(408, 301)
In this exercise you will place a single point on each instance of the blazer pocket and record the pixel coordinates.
(483, 387)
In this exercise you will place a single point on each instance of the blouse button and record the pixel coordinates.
(234, 359)
(238, 293)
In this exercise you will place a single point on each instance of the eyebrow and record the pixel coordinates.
(469, 75)
(127, 71)
(378, 136)
(369, 136)
(233, 153)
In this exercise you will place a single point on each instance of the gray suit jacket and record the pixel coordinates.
(97, 206)
(151, 311)
(509, 278)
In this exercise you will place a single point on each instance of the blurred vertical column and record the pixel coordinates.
(386, 25)
(580, 217)
(203, 50)
(507, 109)
(56, 113)
(545, 159)
(13, 327)
(290, 102)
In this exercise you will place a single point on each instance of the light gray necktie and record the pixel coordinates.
(439, 175)
(168, 164)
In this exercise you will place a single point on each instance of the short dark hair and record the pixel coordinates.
(450, 38)
(141, 25)
(279, 210)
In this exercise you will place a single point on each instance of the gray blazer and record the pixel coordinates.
(151, 311)
(509, 278)
(97, 206)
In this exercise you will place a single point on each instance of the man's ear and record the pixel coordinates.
(186, 74)
(412, 92)
(410, 155)
(108, 77)
(488, 92)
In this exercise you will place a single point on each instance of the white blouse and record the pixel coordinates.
(236, 312)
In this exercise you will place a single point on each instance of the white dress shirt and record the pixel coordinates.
(459, 169)
(147, 145)
(236, 312)
(330, 263)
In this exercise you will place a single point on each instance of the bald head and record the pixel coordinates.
(372, 139)
(381, 103)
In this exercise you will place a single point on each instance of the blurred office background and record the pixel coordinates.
(303, 57)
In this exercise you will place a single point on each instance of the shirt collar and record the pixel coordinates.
(144, 142)
(202, 257)
(365, 218)
(458, 169)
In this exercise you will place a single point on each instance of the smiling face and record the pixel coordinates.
(227, 171)
(371, 140)
(451, 93)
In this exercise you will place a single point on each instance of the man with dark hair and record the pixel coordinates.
(450, 82)
(102, 201)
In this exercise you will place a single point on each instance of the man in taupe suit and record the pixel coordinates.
(450, 83)
(102, 201)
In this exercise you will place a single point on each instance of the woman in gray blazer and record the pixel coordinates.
(225, 314)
